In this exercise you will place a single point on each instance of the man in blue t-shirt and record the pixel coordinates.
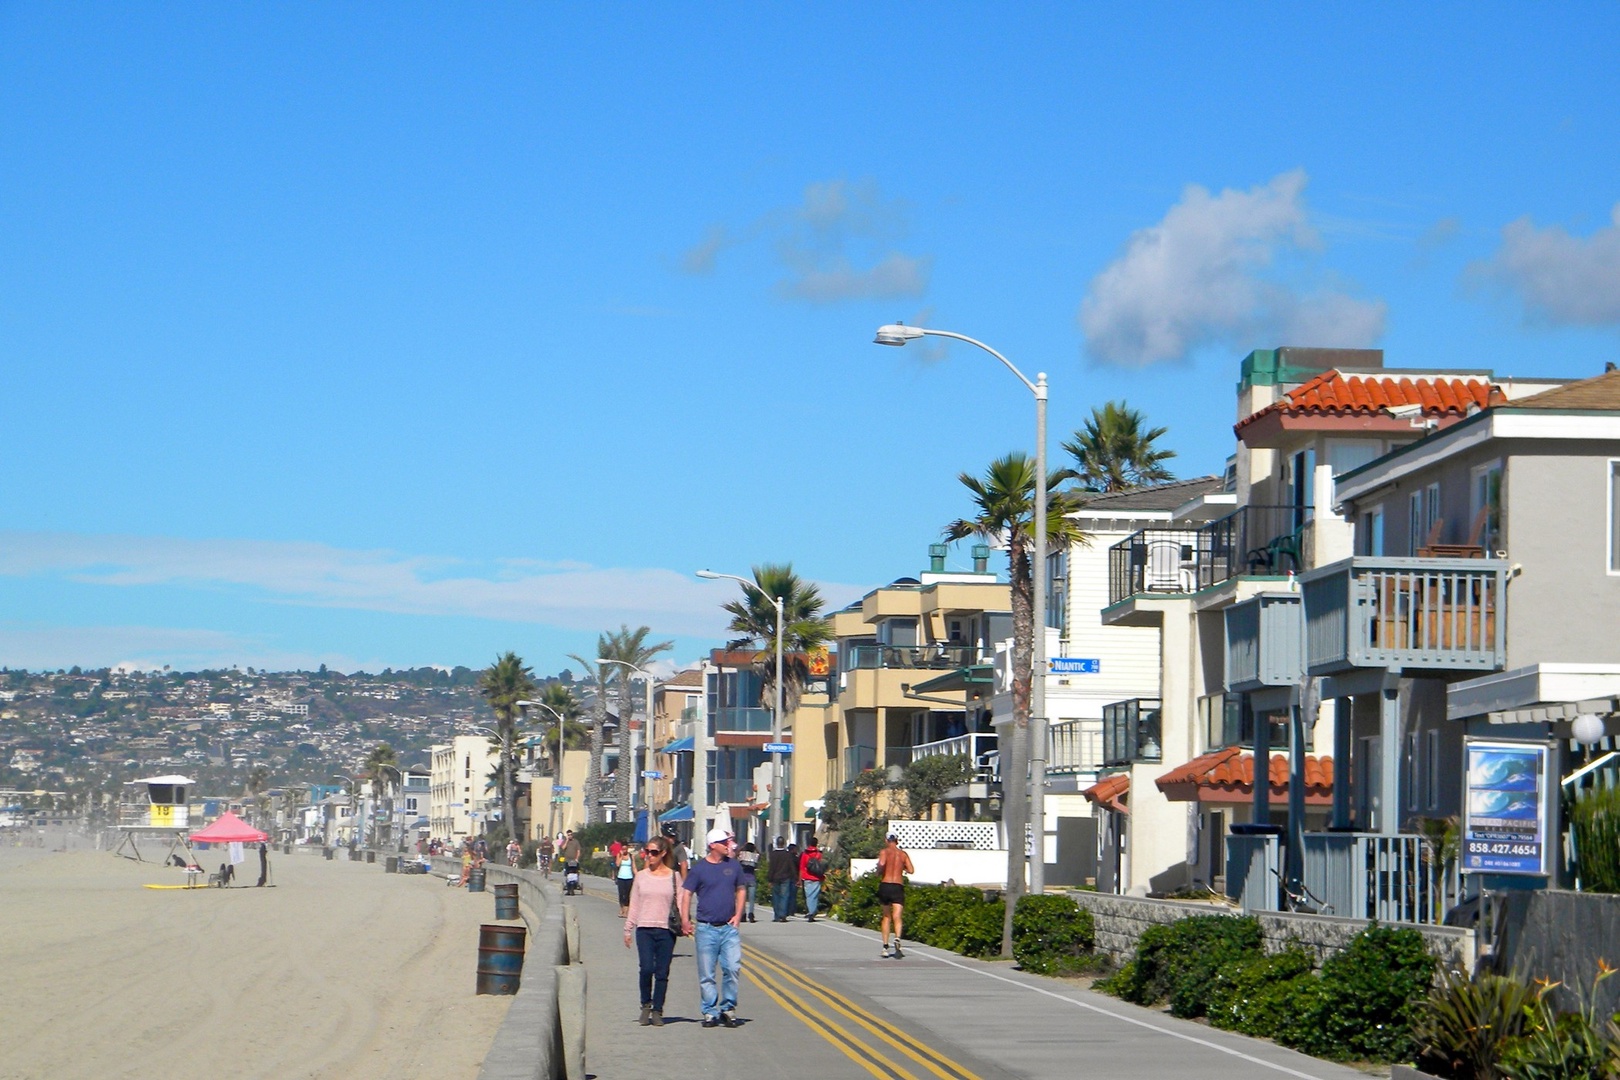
(711, 908)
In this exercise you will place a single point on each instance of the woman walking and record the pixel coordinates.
(748, 862)
(624, 876)
(652, 897)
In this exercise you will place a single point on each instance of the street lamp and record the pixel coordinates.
(556, 767)
(899, 334)
(636, 792)
(775, 823)
(353, 784)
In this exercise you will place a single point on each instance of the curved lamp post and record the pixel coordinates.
(556, 768)
(898, 334)
(774, 819)
(638, 796)
(353, 784)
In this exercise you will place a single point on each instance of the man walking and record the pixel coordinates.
(893, 865)
(812, 871)
(711, 908)
(784, 875)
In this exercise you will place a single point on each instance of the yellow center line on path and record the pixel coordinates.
(827, 1027)
(935, 1062)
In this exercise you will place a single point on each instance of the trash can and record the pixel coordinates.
(500, 957)
(328, 854)
(475, 879)
(371, 856)
(391, 866)
(506, 901)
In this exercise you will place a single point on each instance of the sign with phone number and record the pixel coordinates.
(1505, 823)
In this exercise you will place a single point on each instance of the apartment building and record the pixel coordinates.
(459, 792)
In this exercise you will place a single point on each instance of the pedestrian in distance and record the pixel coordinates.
(812, 872)
(893, 866)
(679, 856)
(748, 859)
(783, 872)
(624, 876)
(653, 895)
(711, 908)
(544, 854)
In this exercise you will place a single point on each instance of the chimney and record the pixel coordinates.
(936, 558)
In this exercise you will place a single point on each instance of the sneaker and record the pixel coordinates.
(899, 953)
(711, 1021)
(646, 1016)
(887, 951)
(656, 1019)
(727, 1020)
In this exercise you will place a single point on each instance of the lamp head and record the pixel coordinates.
(708, 574)
(1587, 729)
(897, 334)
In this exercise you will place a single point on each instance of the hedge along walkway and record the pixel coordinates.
(1024, 1025)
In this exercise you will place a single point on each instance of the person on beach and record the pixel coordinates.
(624, 876)
(748, 860)
(652, 898)
(711, 907)
(893, 865)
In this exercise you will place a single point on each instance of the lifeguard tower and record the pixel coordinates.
(155, 806)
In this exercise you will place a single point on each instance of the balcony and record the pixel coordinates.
(731, 791)
(1255, 540)
(1412, 613)
(1131, 732)
(742, 720)
(1263, 642)
(1074, 746)
(939, 657)
(980, 748)
(857, 759)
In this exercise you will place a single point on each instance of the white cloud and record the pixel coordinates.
(568, 595)
(143, 648)
(837, 244)
(1560, 280)
(1199, 277)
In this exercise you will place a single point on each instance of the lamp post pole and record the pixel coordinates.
(899, 335)
(638, 792)
(353, 783)
(775, 823)
(556, 766)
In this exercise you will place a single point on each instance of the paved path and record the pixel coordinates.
(821, 1002)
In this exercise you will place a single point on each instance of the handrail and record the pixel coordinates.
(1590, 766)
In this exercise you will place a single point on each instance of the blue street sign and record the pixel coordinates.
(652, 776)
(561, 787)
(779, 748)
(1069, 665)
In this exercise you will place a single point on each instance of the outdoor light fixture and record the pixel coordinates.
(897, 334)
(1587, 729)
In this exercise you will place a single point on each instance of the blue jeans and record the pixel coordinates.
(656, 946)
(782, 898)
(812, 897)
(722, 944)
(750, 887)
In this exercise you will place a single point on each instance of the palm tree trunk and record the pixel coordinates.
(1015, 764)
(624, 775)
(593, 768)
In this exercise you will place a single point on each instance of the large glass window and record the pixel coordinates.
(1486, 496)
(1057, 589)
(1372, 531)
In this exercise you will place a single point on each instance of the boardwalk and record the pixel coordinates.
(820, 1002)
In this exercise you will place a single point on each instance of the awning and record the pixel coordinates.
(680, 813)
(960, 679)
(679, 746)
(1111, 792)
(1227, 776)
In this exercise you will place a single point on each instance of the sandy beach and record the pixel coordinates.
(339, 970)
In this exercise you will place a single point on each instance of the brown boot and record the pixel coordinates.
(646, 1015)
(657, 1018)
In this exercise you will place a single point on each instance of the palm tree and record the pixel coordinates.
(1006, 501)
(598, 722)
(628, 647)
(382, 766)
(560, 699)
(257, 781)
(503, 684)
(1113, 452)
(804, 629)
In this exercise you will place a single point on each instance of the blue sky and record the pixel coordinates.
(397, 334)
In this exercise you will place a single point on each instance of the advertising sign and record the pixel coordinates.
(1505, 821)
(1074, 665)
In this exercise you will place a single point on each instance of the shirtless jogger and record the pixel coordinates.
(893, 865)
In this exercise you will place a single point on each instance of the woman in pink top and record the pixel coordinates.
(652, 895)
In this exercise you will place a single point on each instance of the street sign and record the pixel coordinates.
(1071, 665)
(779, 748)
(561, 787)
(562, 798)
(652, 776)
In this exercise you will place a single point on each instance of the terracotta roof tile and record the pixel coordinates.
(1333, 393)
(1110, 792)
(1230, 772)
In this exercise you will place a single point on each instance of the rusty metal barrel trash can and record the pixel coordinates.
(328, 854)
(500, 957)
(391, 865)
(506, 901)
(475, 879)
(371, 856)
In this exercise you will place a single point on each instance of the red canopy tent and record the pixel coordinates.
(229, 829)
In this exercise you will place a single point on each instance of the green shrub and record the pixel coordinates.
(1464, 1025)
(1369, 995)
(1594, 822)
(1178, 962)
(860, 905)
(953, 917)
(1051, 934)
(602, 835)
(1259, 995)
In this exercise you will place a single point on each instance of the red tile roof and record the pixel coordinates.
(1110, 792)
(1228, 776)
(1333, 393)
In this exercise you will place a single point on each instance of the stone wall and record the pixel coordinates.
(1121, 920)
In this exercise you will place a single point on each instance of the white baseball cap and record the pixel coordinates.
(718, 836)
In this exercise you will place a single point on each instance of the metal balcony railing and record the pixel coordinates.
(914, 657)
(731, 791)
(1372, 611)
(979, 748)
(1074, 746)
(1131, 732)
(746, 720)
(1258, 540)
(857, 759)
(1388, 878)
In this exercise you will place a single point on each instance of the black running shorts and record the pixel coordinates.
(891, 892)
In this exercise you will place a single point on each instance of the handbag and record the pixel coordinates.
(674, 905)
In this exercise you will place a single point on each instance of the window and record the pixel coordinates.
(1345, 455)
(1425, 512)
(1614, 517)
(1485, 484)
(1433, 770)
(1302, 485)
(1372, 531)
(1057, 589)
